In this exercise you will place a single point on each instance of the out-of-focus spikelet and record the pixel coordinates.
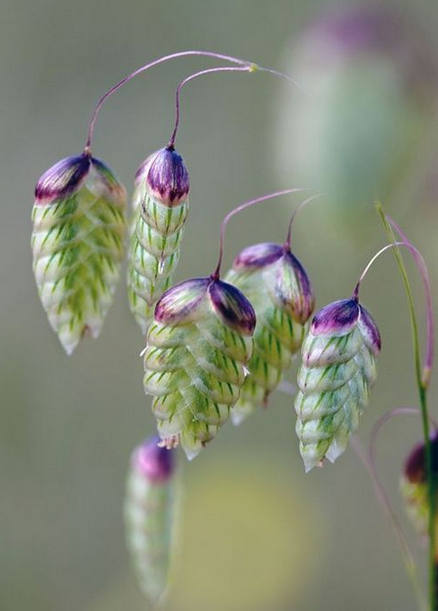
(338, 368)
(150, 516)
(195, 359)
(277, 285)
(160, 208)
(414, 487)
(77, 243)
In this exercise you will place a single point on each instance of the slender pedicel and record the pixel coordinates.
(240, 208)
(430, 324)
(251, 66)
(297, 210)
(412, 249)
(422, 387)
(383, 499)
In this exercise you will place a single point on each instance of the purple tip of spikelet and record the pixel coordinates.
(303, 306)
(154, 462)
(415, 465)
(179, 303)
(258, 256)
(360, 27)
(370, 331)
(62, 179)
(336, 318)
(233, 307)
(167, 176)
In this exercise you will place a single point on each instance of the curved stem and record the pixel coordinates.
(416, 256)
(422, 393)
(247, 65)
(294, 214)
(248, 68)
(155, 62)
(384, 501)
(240, 208)
(430, 323)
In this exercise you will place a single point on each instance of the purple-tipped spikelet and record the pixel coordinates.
(338, 368)
(160, 208)
(195, 359)
(149, 515)
(414, 487)
(277, 285)
(77, 243)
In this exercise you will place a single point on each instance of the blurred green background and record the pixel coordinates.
(257, 533)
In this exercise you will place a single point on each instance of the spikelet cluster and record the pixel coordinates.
(77, 243)
(414, 487)
(338, 368)
(160, 208)
(195, 359)
(277, 286)
(150, 516)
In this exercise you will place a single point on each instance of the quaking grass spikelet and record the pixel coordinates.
(77, 244)
(413, 484)
(277, 285)
(160, 208)
(150, 516)
(338, 368)
(195, 359)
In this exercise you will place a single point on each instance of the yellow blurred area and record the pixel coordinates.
(256, 533)
(247, 540)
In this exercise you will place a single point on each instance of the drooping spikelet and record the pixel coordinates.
(276, 284)
(150, 516)
(77, 243)
(337, 371)
(414, 487)
(195, 359)
(160, 208)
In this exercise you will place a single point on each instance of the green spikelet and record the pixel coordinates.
(77, 243)
(160, 209)
(150, 516)
(277, 286)
(195, 359)
(337, 371)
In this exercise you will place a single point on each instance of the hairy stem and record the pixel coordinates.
(422, 393)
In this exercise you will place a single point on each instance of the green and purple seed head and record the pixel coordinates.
(414, 486)
(150, 516)
(337, 371)
(77, 244)
(160, 208)
(197, 350)
(279, 288)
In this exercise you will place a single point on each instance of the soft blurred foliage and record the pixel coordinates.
(256, 532)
